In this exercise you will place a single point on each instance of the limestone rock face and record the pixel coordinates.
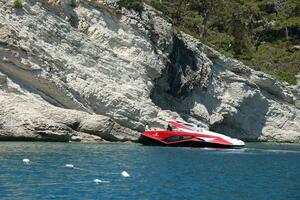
(236, 100)
(86, 70)
(27, 118)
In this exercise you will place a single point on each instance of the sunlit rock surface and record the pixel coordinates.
(86, 70)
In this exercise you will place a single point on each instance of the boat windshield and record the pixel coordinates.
(178, 137)
(182, 125)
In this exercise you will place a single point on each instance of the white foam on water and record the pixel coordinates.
(97, 181)
(125, 174)
(26, 161)
(69, 166)
(87, 170)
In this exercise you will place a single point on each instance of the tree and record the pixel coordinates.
(205, 8)
(179, 10)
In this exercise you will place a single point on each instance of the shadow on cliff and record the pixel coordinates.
(184, 73)
(181, 75)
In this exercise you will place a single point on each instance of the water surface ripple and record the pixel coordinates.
(260, 171)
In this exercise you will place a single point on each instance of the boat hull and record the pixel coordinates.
(153, 142)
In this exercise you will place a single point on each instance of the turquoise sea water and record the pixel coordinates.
(261, 171)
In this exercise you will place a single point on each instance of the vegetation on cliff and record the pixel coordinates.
(264, 34)
(18, 4)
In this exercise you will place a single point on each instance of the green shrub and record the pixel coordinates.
(286, 76)
(275, 59)
(18, 4)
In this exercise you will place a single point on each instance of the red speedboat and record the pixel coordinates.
(187, 135)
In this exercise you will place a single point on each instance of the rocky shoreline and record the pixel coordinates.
(89, 71)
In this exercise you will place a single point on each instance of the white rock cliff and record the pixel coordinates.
(85, 70)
